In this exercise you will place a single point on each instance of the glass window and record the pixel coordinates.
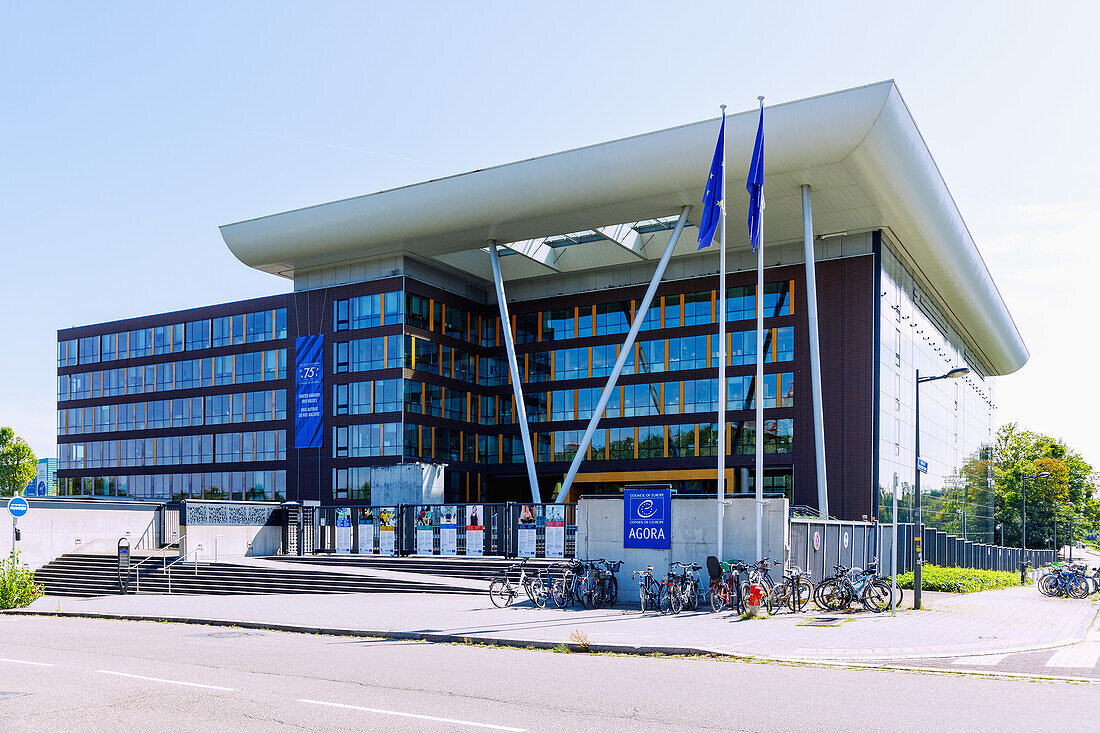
(584, 321)
(699, 396)
(414, 396)
(777, 299)
(280, 323)
(89, 350)
(651, 356)
(527, 325)
(603, 359)
(672, 311)
(778, 436)
(651, 441)
(558, 324)
(621, 444)
(222, 331)
(107, 346)
(708, 439)
(681, 440)
(562, 405)
(417, 310)
(697, 308)
(741, 303)
(612, 318)
(198, 335)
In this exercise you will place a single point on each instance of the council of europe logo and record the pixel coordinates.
(642, 508)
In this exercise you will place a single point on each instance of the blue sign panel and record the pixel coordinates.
(922, 465)
(647, 519)
(18, 506)
(308, 403)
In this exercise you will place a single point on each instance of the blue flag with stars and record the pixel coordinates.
(712, 196)
(755, 183)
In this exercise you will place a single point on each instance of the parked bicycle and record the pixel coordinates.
(502, 591)
(1066, 580)
(794, 591)
(725, 584)
(649, 590)
(849, 585)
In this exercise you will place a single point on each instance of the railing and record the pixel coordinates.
(167, 569)
(135, 569)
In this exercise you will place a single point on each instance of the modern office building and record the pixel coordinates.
(390, 349)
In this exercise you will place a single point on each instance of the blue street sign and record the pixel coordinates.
(922, 465)
(647, 519)
(18, 506)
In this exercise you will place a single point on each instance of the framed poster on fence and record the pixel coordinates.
(387, 530)
(423, 525)
(366, 531)
(555, 531)
(448, 530)
(475, 530)
(528, 532)
(343, 531)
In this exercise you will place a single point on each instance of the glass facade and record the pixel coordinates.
(956, 415)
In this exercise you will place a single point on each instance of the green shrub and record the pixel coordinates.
(17, 586)
(959, 580)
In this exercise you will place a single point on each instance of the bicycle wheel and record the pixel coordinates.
(676, 598)
(769, 602)
(643, 597)
(691, 595)
(1047, 585)
(558, 593)
(800, 596)
(1078, 588)
(717, 597)
(501, 592)
(832, 595)
(538, 592)
(664, 599)
(876, 596)
(613, 590)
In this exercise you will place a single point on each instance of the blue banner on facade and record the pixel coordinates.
(647, 519)
(309, 402)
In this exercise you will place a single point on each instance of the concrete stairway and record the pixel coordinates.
(470, 568)
(95, 575)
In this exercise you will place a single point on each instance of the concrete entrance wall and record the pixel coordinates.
(55, 526)
(694, 536)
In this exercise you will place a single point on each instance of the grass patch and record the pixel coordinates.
(959, 580)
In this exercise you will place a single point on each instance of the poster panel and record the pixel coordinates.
(309, 382)
(448, 530)
(475, 530)
(555, 531)
(423, 525)
(387, 530)
(366, 531)
(343, 531)
(528, 532)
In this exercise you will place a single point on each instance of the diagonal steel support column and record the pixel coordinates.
(513, 369)
(626, 351)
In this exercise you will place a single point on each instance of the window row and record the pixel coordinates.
(668, 311)
(450, 320)
(363, 398)
(365, 441)
(432, 358)
(174, 450)
(660, 398)
(178, 413)
(367, 354)
(256, 366)
(368, 311)
(232, 485)
(244, 328)
(646, 441)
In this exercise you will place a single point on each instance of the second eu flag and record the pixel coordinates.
(712, 196)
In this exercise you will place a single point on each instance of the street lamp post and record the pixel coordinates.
(1056, 547)
(1023, 512)
(918, 534)
(1001, 526)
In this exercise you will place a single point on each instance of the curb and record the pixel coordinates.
(443, 638)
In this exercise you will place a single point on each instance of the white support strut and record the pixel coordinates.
(627, 350)
(815, 351)
(513, 369)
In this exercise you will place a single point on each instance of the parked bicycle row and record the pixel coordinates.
(1069, 580)
(733, 584)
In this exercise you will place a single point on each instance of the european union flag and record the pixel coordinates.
(755, 183)
(712, 202)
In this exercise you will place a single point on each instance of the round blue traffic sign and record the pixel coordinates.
(17, 506)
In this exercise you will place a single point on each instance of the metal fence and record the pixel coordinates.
(471, 530)
(817, 545)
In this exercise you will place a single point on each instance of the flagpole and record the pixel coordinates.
(759, 392)
(722, 356)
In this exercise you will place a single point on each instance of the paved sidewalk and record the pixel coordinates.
(1005, 621)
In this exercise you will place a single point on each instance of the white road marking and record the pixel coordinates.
(169, 682)
(413, 715)
(22, 661)
(1083, 656)
(982, 660)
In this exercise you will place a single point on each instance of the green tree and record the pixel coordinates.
(1062, 503)
(17, 462)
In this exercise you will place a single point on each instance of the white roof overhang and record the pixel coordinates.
(859, 150)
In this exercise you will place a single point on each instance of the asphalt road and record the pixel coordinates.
(96, 675)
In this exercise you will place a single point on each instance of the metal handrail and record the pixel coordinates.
(134, 568)
(167, 569)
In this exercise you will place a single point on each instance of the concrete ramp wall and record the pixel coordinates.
(55, 526)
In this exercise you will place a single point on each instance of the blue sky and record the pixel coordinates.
(130, 131)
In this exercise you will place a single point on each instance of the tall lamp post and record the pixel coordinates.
(1023, 513)
(918, 535)
(1056, 547)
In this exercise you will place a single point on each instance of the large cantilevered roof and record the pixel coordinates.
(602, 206)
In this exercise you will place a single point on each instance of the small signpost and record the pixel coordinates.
(17, 507)
(922, 465)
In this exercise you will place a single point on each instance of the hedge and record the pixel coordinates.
(959, 580)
